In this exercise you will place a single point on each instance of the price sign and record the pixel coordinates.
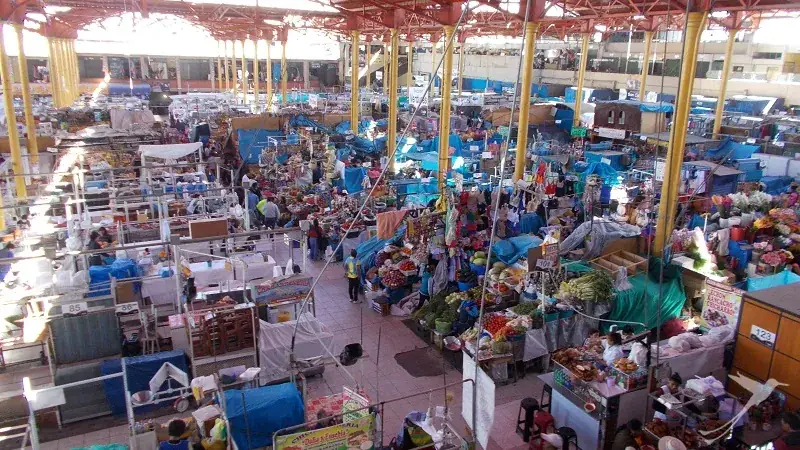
(605, 161)
(487, 155)
(642, 138)
(762, 336)
(127, 308)
(751, 140)
(75, 309)
(544, 264)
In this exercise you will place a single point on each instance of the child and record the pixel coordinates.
(672, 386)
(176, 430)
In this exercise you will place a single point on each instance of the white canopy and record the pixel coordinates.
(169, 151)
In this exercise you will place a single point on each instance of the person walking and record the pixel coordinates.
(351, 268)
(270, 211)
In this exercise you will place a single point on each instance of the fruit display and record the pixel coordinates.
(479, 259)
(494, 322)
(626, 365)
(495, 271)
(597, 286)
(393, 278)
(456, 297)
(465, 275)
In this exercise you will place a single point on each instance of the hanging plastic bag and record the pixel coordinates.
(621, 283)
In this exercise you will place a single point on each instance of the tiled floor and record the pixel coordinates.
(381, 378)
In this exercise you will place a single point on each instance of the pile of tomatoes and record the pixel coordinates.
(494, 322)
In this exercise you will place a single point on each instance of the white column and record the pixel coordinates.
(105, 67)
(178, 73)
(212, 74)
(306, 76)
(144, 67)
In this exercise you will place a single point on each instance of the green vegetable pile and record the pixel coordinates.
(438, 308)
(597, 286)
(525, 309)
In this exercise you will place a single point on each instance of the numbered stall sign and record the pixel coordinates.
(762, 336)
(75, 309)
(127, 308)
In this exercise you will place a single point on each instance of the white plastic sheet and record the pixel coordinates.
(275, 342)
(170, 151)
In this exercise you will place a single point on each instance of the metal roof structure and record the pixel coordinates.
(415, 19)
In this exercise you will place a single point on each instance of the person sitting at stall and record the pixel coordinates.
(176, 429)
(95, 259)
(105, 238)
(628, 436)
(672, 387)
(613, 349)
(790, 439)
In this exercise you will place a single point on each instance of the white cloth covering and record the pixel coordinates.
(170, 151)
(216, 274)
(275, 342)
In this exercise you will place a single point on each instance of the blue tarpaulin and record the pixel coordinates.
(255, 414)
(779, 279)
(776, 185)
(353, 177)
(732, 149)
(100, 276)
(603, 170)
(429, 160)
(368, 249)
(252, 142)
(512, 249)
(455, 142)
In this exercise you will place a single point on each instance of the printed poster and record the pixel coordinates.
(282, 290)
(721, 305)
(352, 404)
(346, 436)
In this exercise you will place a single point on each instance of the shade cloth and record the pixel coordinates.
(170, 151)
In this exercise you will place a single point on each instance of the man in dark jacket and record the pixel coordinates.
(790, 439)
(630, 436)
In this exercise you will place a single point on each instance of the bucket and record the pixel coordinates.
(443, 326)
(738, 233)
(479, 270)
(465, 286)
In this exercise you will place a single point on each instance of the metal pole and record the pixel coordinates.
(409, 72)
(225, 56)
(444, 116)
(354, 106)
(284, 72)
(723, 81)
(394, 74)
(219, 70)
(244, 76)
(235, 72)
(576, 120)
(461, 68)
(268, 101)
(648, 42)
(54, 69)
(433, 67)
(531, 30)
(11, 120)
(368, 48)
(255, 76)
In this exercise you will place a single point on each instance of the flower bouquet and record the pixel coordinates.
(777, 259)
(759, 201)
(723, 204)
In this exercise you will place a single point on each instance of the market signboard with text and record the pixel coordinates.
(721, 305)
(283, 290)
(355, 435)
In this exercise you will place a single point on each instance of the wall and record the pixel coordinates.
(504, 68)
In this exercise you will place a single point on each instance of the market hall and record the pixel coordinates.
(383, 249)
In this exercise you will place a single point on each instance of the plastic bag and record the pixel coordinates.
(638, 354)
(724, 236)
(621, 283)
(678, 343)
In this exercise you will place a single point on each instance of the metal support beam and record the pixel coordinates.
(219, 74)
(225, 55)
(368, 51)
(180, 77)
(576, 120)
(434, 41)
(234, 72)
(723, 81)
(11, 121)
(648, 42)
(409, 72)
(30, 124)
(244, 76)
(354, 106)
(444, 115)
(73, 58)
(531, 31)
(306, 75)
(255, 76)
(385, 68)
(461, 68)
(53, 70)
(269, 75)
(677, 142)
(284, 72)
(391, 142)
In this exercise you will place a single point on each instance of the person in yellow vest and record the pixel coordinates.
(351, 269)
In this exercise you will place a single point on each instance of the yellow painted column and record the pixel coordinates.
(368, 50)
(385, 68)
(391, 141)
(67, 70)
(58, 74)
(410, 72)
(255, 74)
(244, 77)
(576, 120)
(234, 72)
(75, 72)
(66, 98)
(30, 123)
(227, 76)
(284, 72)
(355, 114)
(723, 81)
(269, 74)
(531, 32)
(219, 74)
(461, 68)
(433, 71)
(56, 92)
(677, 141)
(648, 42)
(11, 120)
(444, 115)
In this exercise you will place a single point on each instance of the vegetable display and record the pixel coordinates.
(394, 278)
(597, 286)
(494, 322)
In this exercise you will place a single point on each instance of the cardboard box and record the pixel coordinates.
(207, 228)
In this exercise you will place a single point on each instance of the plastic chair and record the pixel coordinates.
(568, 435)
(543, 421)
(525, 423)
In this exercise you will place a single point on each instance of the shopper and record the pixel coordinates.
(629, 436)
(790, 439)
(105, 238)
(351, 269)
(176, 429)
(314, 239)
(270, 211)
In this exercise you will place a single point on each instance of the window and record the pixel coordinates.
(767, 55)
(90, 67)
(611, 117)
(621, 118)
(195, 69)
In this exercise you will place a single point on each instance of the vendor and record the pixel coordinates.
(96, 259)
(629, 436)
(176, 429)
(424, 289)
(104, 238)
(613, 345)
(672, 387)
(790, 439)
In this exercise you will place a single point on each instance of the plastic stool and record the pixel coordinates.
(525, 424)
(543, 421)
(545, 405)
(568, 435)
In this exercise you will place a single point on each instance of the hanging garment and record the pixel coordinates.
(389, 222)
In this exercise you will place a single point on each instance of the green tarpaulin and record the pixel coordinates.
(638, 305)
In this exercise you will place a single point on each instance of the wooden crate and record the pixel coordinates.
(222, 331)
(613, 261)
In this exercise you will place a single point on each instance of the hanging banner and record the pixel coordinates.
(611, 133)
(416, 94)
(313, 100)
(283, 290)
(353, 435)
(578, 132)
(721, 305)
(352, 406)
